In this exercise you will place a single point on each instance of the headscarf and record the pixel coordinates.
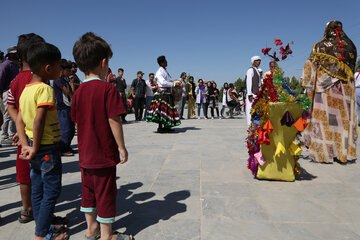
(335, 52)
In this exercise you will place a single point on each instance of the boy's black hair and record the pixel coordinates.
(89, 50)
(151, 74)
(65, 64)
(40, 54)
(191, 77)
(24, 42)
(161, 59)
(120, 69)
(231, 85)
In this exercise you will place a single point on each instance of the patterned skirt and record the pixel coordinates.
(162, 110)
(333, 128)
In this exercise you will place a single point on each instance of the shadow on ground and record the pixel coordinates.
(138, 209)
(304, 175)
(181, 130)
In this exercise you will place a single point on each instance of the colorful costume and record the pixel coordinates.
(162, 108)
(277, 115)
(329, 81)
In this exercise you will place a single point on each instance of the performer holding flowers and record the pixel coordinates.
(162, 108)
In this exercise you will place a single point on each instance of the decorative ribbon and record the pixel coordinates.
(280, 149)
(340, 45)
(263, 137)
(268, 127)
(287, 119)
(301, 124)
(259, 158)
(294, 149)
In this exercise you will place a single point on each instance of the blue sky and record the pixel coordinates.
(208, 39)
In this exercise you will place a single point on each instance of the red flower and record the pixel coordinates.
(46, 158)
(285, 51)
(265, 51)
(278, 42)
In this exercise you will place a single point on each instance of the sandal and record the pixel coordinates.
(54, 233)
(95, 237)
(60, 221)
(28, 216)
(122, 236)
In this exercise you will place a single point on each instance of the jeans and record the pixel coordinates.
(198, 109)
(8, 128)
(148, 101)
(181, 106)
(67, 128)
(139, 103)
(46, 170)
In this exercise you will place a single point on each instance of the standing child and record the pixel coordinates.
(38, 120)
(96, 109)
(16, 88)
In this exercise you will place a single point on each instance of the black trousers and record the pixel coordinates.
(139, 103)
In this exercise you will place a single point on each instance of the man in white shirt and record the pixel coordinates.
(182, 102)
(162, 108)
(357, 85)
(150, 90)
(253, 81)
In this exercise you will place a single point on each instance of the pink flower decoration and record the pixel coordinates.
(278, 42)
(265, 51)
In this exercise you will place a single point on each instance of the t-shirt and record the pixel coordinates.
(17, 86)
(93, 103)
(63, 101)
(33, 96)
(149, 88)
(139, 86)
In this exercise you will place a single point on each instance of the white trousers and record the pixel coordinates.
(247, 111)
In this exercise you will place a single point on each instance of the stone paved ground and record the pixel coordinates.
(194, 184)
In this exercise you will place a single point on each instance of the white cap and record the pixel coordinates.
(260, 70)
(254, 58)
(11, 49)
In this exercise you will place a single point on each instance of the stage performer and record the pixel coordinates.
(252, 79)
(329, 81)
(162, 108)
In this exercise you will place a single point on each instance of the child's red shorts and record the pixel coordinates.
(99, 192)
(22, 169)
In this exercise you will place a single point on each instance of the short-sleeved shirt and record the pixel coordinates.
(63, 101)
(93, 103)
(149, 89)
(17, 86)
(139, 86)
(36, 95)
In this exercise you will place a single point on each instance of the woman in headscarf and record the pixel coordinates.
(329, 81)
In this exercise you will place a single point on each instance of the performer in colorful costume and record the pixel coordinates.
(329, 81)
(162, 108)
(277, 116)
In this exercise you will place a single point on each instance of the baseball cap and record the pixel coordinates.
(10, 50)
